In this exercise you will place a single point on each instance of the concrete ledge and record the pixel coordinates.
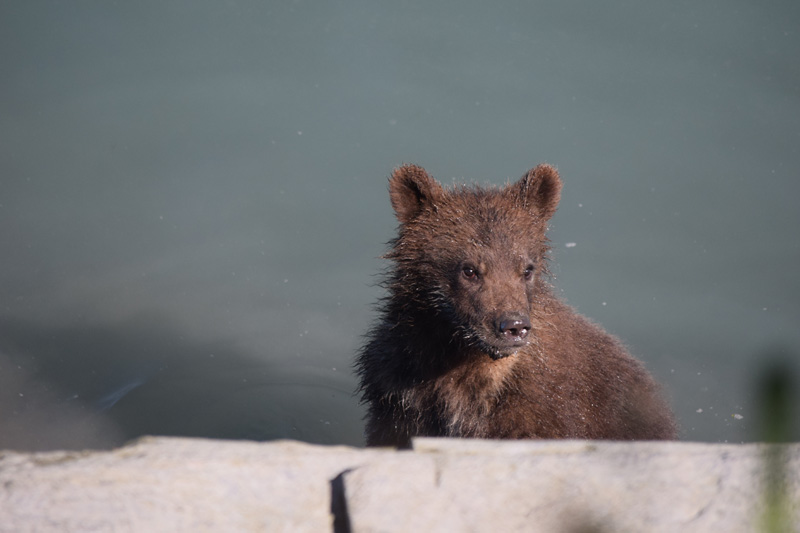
(174, 484)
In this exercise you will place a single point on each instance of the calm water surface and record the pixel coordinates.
(193, 196)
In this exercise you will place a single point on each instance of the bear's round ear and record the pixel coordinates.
(540, 188)
(411, 189)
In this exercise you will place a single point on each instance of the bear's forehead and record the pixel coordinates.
(487, 213)
(478, 226)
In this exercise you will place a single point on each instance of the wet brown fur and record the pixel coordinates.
(437, 363)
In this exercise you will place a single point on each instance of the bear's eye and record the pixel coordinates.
(528, 272)
(469, 272)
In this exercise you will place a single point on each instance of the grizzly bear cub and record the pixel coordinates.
(472, 342)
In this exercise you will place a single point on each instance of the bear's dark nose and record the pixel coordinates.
(516, 327)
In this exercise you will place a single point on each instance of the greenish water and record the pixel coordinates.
(193, 196)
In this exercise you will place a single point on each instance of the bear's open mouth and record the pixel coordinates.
(502, 350)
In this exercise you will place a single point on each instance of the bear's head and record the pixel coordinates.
(473, 259)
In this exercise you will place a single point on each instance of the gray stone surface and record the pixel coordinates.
(170, 484)
(570, 486)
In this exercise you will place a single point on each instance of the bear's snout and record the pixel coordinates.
(513, 328)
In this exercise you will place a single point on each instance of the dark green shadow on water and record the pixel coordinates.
(776, 388)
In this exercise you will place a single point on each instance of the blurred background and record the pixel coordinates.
(193, 196)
